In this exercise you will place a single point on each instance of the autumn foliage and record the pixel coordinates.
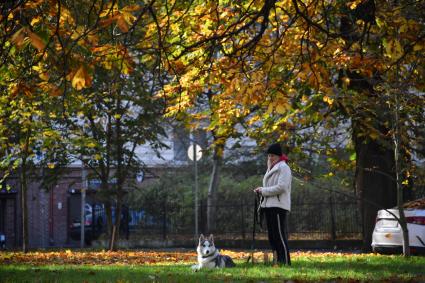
(144, 257)
(270, 69)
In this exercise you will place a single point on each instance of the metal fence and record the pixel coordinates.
(332, 219)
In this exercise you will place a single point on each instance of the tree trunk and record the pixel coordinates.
(108, 212)
(375, 167)
(212, 191)
(24, 189)
(402, 218)
(120, 180)
(116, 226)
(398, 171)
(374, 181)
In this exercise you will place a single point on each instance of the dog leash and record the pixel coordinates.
(257, 218)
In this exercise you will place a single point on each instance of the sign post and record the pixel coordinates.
(83, 203)
(195, 154)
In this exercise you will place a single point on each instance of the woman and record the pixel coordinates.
(276, 201)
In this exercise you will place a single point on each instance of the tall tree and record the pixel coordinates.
(31, 139)
(118, 113)
(294, 64)
(66, 45)
(110, 122)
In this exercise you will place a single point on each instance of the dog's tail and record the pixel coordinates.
(228, 261)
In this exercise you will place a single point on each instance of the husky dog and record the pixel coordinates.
(209, 256)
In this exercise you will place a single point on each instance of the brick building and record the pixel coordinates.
(48, 212)
(8, 217)
(51, 211)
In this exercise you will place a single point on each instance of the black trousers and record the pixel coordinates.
(276, 219)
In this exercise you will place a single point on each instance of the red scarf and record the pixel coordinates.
(283, 157)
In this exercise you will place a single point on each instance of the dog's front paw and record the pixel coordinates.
(195, 268)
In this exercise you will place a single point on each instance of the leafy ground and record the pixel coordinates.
(166, 266)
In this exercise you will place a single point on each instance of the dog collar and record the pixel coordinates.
(207, 256)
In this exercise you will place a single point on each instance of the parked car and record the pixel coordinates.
(2, 241)
(387, 236)
(93, 225)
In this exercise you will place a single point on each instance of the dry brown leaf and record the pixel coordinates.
(36, 41)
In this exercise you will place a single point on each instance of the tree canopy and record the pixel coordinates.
(280, 69)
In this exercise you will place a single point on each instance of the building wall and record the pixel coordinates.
(49, 215)
(10, 232)
(36, 205)
(59, 214)
(47, 212)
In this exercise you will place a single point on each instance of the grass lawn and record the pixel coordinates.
(306, 267)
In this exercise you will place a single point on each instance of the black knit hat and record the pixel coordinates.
(275, 149)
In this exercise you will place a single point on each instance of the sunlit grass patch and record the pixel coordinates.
(133, 266)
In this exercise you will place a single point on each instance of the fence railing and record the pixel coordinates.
(234, 220)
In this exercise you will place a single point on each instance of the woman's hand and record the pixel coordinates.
(257, 190)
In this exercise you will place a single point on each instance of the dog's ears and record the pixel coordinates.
(210, 238)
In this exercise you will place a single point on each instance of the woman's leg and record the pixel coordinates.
(283, 250)
(276, 219)
(271, 227)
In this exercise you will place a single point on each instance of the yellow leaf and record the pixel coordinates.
(66, 17)
(81, 79)
(33, 4)
(393, 48)
(35, 21)
(51, 165)
(353, 4)
(37, 68)
(109, 9)
(417, 47)
(404, 28)
(373, 135)
(78, 81)
(280, 108)
(117, 116)
(270, 109)
(48, 133)
(131, 8)
(398, 49)
(91, 145)
(128, 17)
(379, 22)
(44, 76)
(127, 67)
(328, 100)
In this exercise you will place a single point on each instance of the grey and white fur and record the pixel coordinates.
(209, 256)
